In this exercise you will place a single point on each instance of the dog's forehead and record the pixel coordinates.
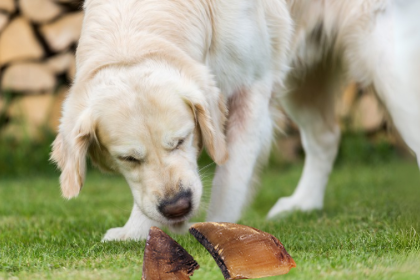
(145, 118)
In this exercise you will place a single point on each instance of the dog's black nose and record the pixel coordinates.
(176, 207)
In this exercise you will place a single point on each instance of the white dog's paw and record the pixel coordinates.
(294, 203)
(114, 234)
(124, 234)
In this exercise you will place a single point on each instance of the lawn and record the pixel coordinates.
(369, 228)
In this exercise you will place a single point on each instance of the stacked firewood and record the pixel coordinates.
(37, 44)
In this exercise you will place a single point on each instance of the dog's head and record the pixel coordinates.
(149, 122)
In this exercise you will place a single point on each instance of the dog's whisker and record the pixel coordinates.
(207, 166)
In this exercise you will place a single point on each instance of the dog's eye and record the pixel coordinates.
(130, 159)
(180, 142)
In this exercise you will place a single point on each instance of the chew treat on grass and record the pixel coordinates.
(165, 259)
(243, 252)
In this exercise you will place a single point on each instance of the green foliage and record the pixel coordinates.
(23, 157)
(357, 148)
(28, 157)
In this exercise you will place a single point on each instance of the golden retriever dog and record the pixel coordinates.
(158, 81)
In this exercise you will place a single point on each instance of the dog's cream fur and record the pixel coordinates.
(152, 73)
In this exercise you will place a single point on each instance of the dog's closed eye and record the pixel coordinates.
(130, 159)
(179, 144)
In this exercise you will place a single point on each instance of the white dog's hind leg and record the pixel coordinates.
(403, 104)
(391, 62)
(311, 106)
(249, 133)
(398, 83)
(136, 228)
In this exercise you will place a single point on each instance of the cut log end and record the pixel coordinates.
(243, 252)
(164, 258)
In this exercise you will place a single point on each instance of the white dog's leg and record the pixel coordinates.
(321, 144)
(249, 132)
(403, 104)
(136, 228)
(398, 82)
(392, 64)
(311, 106)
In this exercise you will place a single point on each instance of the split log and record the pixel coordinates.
(8, 6)
(73, 2)
(28, 114)
(3, 21)
(71, 73)
(33, 108)
(60, 63)
(28, 77)
(368, 115)
(56, 107)
(62, 33)
(18, 42)
(347, 100)
(40, 11)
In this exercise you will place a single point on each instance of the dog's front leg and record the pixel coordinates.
(249, 134)
(136, 228)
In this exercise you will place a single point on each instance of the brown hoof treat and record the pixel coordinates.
(165, 259)
(243, 252)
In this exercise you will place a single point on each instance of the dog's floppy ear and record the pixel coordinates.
(70, 149)
(211, 119)
(210, 111)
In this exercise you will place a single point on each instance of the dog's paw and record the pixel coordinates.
(124, 234)
(292, 203)
(114, 234)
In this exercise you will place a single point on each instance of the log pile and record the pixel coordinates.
(37, 43)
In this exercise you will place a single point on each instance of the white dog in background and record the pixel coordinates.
(159, 80)
(373, 42)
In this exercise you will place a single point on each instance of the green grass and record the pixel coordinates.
(369, 228)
